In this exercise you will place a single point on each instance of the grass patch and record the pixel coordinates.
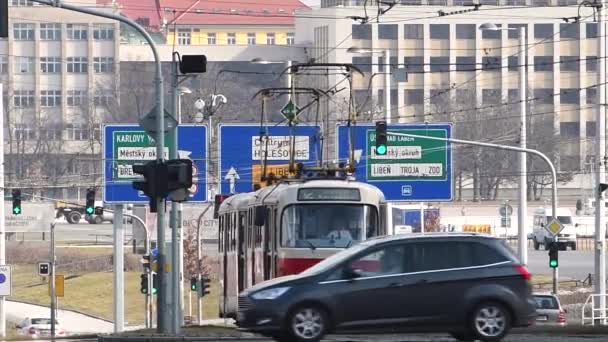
(92, 293)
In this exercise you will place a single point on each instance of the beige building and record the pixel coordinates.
(450, 55)
(60, 73)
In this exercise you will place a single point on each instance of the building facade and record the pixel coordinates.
(60, 74)
(449, 56)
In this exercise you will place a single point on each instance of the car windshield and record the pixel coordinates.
(327, 225)
(334, 259)
(562, 219)
(546, 302)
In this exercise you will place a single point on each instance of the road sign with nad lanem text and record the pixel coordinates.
(412, 169)
(243, 149)
(128, 145)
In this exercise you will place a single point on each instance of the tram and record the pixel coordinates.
(285, 228)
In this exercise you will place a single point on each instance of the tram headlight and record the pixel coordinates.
(270, 293)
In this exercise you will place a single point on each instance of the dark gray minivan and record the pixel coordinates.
(468, 285)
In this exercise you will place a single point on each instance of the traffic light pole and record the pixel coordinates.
(119, 269)
(53, 297)
(2, 222)
(175, 269)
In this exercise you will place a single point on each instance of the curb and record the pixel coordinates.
(559, 330)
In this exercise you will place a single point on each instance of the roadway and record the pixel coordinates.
(572, 264)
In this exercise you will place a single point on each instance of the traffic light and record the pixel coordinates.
(145, 261)
(193, 284)
(16, 202)
(204, 290)
(381, 138)
(154, 184)
(217, 202)
(154, 283)
(180, 179)
(144, 283)
(553, 255)
(90, 206)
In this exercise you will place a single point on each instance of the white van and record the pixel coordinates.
(540, 236)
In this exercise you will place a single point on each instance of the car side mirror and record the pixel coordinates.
(351, 273)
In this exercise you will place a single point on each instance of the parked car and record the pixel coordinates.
(469, 285)
(38, 327)
(549, 310)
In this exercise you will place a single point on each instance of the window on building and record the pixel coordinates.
(388, 31)
(465, 63)
(490, 63)
(50, 31)
(490, 96)
(413, 31)
(592, 95)
(103, 98)
(250, 38)
(440, 31)
(438, 2)
(103, 32)
(77, 31)
(543, 31)
(515, 2)
(76, 98)
(291, 38)
(567, 3)
(465, 31)
(393, 62)
(414, 96)
(270, 38)
(569, 95)
(543, 95)
(24, 65)
(492, 34)
(411, 2)
(569, 63)
(50, 133)
(184, 36)
(439, 97)
(362, 31)
(568, 31)
(50, 64)
(363, 63)
(543, 63)
(3, 64)
(78, 64)
(569, 129)
(440, 64)
(489, 2)
(50, 98)
(23, 132)
(231, 38)
(591, 63)
(540, 3)
(76, 132)
(513, 63)
(211, 38)
(22, 3)
(413, 64)
(23, 98)
(23, 31)
(463, 2)
(103, 64)
(590, 128)
(591, 30)
(513, 32)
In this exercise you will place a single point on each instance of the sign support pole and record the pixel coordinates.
(53, 297)
(119, 275)
(387, 118)
(2, 222)
(175, 96)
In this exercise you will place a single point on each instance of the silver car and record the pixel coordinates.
(549, 310)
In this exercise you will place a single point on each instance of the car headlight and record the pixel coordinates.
(270, 293)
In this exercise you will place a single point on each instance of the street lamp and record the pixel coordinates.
(523, 200)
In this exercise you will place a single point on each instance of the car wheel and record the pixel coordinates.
(98, 220)
(307, 323)
(463, 337)
(74, 217)
(536, 245)
(490, 322)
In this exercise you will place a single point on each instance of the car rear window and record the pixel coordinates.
(41, 321)
(546, 302)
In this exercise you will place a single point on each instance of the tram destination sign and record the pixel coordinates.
(413, 169)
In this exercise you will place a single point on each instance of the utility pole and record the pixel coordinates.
(174, 206)
(2, 222)
(523, 177)
(387, 117)
(600, 155)
(119, 270)
(53, 297)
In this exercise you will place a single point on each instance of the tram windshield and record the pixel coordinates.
(327, 225)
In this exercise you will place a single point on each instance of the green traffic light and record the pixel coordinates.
(90, 210)
(154, 291)
(144, 291)
(16, 210)
(553, 263)
(381, 150)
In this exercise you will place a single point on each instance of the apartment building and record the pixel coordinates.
(60, 73)
(446, 53)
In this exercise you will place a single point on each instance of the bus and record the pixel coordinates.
(285, 228)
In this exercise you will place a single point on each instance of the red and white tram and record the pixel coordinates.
(285, 228)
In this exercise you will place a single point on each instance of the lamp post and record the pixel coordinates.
(523, 181)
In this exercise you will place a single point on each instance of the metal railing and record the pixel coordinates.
(597, 314)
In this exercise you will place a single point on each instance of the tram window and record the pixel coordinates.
(327, 225)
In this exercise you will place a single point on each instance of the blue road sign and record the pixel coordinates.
(126, 145)
(412, 169)
(242, 152)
